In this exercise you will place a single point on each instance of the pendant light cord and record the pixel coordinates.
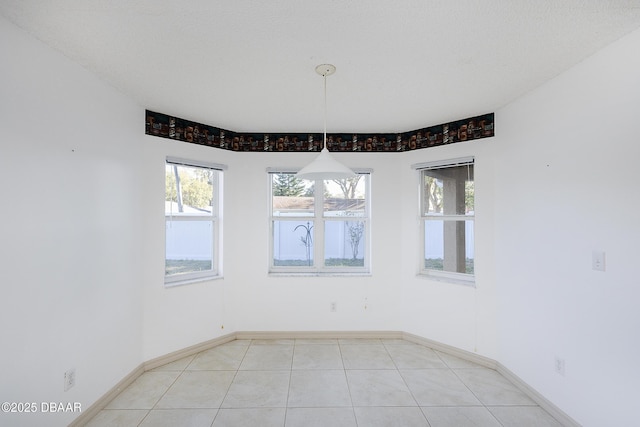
(324, 144)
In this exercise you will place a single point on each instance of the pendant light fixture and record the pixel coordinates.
(325, 166)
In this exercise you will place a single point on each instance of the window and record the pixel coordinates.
(192, 221)
(447, 217)
(319, 226)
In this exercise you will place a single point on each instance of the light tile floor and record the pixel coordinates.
(324, 383)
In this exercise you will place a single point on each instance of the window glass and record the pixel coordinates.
(344, 243)
(291, 196)
(345, 197)
(191, 222)
(189, 247)
(329, 218)
(436, 233)
(448, 191)
(293, 243)
(447, 200)
(189, 190)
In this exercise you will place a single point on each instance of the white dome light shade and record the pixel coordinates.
(325, 167)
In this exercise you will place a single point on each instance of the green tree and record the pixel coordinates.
(286, 184)
(469, 195)
(194, 187)
(196, 192)
(310, 191)
(171, 194)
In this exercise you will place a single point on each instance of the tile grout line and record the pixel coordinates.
(286, 403)
(471, 391)
(406, 385)
(231, 383)
(346, 379)
(165, 392)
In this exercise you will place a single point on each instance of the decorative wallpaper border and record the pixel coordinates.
(165, 126)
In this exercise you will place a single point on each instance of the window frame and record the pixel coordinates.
(423, 217)
(319, 221)
(216, 224)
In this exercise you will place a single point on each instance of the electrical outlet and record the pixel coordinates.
(559, 365)
(333, 306)
(69, 379)
(597, 261)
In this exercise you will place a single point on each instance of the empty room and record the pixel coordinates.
(339, 213)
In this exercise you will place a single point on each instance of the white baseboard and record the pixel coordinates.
(103, 401)
(454, 351)
(188, 351)
(274, 335)
(542, 401)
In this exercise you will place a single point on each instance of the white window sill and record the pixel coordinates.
(318, 274)
(176, 283)
(455, 278)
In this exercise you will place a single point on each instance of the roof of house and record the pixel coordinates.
(288, 203)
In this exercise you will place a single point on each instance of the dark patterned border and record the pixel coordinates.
(165, 126)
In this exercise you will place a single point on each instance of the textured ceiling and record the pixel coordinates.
(249, 65)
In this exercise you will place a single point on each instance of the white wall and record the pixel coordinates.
(566, 166)
(70, 241)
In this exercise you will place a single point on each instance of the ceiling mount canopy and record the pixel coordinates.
(325, 166)
(325, 70)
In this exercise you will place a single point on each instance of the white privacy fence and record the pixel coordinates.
(189, 240)
(289, 242)
(194, 240)
(434, 240)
